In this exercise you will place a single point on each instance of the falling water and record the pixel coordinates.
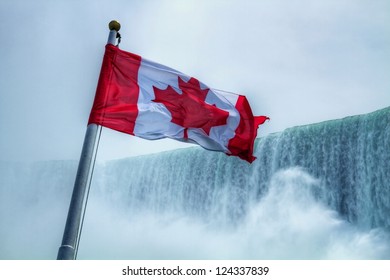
(319, 191)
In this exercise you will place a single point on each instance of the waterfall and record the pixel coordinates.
(319, 191)
(350, 157)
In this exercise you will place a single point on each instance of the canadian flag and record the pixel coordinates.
(152, 101)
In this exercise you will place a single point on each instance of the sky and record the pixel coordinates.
(298, 62)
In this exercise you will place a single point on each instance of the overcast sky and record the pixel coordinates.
(298, 62)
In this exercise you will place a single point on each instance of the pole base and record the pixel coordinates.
(66, 252)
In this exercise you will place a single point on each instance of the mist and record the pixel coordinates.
(288, 223)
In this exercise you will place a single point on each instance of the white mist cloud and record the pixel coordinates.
(287, 223)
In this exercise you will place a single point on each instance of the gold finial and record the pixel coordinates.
(114, 25)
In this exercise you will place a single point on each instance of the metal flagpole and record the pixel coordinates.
(78, 203)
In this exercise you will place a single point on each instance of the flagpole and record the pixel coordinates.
(70, 241)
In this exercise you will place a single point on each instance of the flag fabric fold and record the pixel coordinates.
(149, 100)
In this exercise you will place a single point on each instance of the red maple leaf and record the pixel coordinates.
(189, 109)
